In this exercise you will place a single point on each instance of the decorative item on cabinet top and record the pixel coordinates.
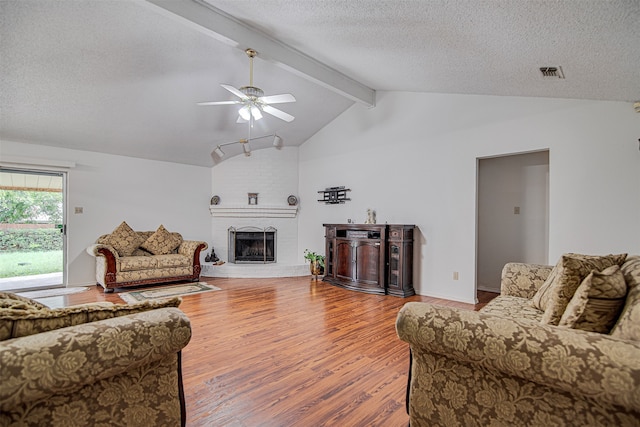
(371, 217)
(215, 200)
(292, 200)
(334, 195)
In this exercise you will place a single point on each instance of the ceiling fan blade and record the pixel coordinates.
(219, 103)
(278, 99)
(278, 113)
(235, 91)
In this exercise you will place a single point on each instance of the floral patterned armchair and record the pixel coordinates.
(503, 366)
(92, 364)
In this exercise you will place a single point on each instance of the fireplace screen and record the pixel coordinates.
(252, 245)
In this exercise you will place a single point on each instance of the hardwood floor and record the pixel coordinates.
(291, 352)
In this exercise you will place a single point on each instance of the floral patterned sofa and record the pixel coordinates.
(91, 364)
(131, 258)
(559, 347)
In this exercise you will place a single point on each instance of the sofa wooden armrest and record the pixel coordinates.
(192, 249)
(103, 250)
(120, 371)
(471, 368)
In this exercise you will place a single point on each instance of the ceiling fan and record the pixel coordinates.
(252, 99)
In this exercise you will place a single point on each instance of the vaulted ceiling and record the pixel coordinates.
(124, 76)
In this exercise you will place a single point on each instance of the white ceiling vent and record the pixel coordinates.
(552, 72)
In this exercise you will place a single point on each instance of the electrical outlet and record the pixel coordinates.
(455, 275)
(516, 210)
(79, 210)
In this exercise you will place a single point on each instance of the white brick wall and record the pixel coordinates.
(273, 174)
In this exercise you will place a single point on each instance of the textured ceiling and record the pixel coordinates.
(491, 47)
(118, 76)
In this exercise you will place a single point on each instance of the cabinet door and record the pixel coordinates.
(329, 258)
(395, 279)
(400, 262)
(344, 260)
(368, 263)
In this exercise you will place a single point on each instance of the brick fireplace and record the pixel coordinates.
(273, 174)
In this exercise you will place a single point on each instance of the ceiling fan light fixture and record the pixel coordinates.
(245, 112)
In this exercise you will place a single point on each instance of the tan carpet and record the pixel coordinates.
(167, 291)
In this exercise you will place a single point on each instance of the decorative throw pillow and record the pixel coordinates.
(628, 325)
(541, 298)
(124, 240)
(23, 323)
(564, 279)
(597, 302)
(161, 242)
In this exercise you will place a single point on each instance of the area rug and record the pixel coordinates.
(167, 291)
(54, 292)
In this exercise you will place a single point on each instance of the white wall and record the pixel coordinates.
(505, 183)
(112, 189)
(413, 158)
(271, 173)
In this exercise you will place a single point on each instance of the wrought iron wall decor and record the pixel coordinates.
(334, 195)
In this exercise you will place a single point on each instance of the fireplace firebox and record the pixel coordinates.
(252, 245)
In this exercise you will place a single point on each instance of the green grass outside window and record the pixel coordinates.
(16, 264)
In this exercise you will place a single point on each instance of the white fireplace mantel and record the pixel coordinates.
(253, 211)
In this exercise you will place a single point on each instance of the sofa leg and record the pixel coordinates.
(108, 290)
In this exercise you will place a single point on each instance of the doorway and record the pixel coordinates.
(32, 229)
(512, 214)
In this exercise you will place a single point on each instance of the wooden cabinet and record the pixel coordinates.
(373, 258)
